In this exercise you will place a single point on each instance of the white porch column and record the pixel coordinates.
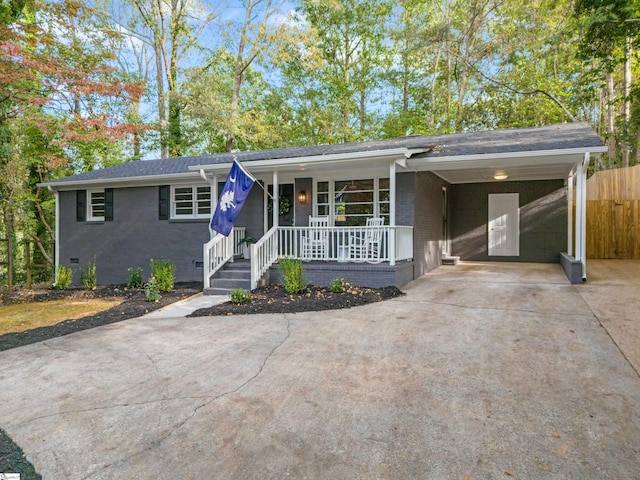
(570, 180)
(276, 199)
(392, 213)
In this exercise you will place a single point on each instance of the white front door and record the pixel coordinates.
(504, 224)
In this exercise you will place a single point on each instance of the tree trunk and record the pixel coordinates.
(611, 119)
(238, 77)
(162, 115)
(627, 103)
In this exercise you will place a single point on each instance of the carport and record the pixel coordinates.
(523, 203)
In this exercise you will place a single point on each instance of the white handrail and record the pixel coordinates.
(264, 253)
(216, 252)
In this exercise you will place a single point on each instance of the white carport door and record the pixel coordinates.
(504, 224)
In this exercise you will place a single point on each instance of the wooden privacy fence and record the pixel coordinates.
(613, 229)
(615, 184)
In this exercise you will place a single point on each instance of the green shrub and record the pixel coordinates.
(339, 285)
(291, 269)
(163, 271)
(64, 277)
(135, 278)
(88, 277)
(151, 291)
(240, 296)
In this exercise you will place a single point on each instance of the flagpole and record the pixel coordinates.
(254, 179)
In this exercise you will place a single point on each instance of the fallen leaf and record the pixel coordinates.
(572, 331)
(555, 435)
(507, 473)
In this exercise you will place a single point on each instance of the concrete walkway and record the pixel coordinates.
(481, 371)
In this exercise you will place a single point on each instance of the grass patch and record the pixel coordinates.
(25, 316)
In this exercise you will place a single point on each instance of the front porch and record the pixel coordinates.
(328, 252)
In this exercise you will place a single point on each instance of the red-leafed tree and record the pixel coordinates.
(62, 110)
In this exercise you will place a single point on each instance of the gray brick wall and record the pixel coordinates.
(136, 235)
(543, 220)
(303, 211)
(362, 274)
(427, 232)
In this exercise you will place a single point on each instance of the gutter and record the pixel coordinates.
(141, 180)
(392, 153)
(443, 162)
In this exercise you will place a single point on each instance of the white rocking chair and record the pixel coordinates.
(315, 243)
(367, 247)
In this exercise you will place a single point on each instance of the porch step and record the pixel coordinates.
(448, 260)
(231, 276)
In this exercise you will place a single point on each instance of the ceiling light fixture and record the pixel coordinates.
(500, 175)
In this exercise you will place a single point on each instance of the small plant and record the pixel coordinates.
(240, 296)
(64, 277)
(163, 271)
(135, 278)
(247, 241)
(88, 277)
(151, 291)
(291, 270)
(339, 285)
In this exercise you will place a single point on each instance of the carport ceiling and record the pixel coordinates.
(484, 168)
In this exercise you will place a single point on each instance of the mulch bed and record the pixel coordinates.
(269, 299)
(274, 299)
(134, 305)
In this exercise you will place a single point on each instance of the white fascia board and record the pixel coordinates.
(265, 165)
(141, 181)
(455, 162)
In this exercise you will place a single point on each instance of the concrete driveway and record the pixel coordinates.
(485, 371)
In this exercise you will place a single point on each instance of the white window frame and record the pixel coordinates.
(91, 217)
(332, 202)
(194, 202)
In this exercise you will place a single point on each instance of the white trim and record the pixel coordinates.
(89, 213)
(507, 155)
(194, 202)
(570, 182)
(141, 181)
(332, 195)
(513, 230)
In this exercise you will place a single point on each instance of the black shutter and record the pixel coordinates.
(81, 205)
(164, 192)
(108, 204)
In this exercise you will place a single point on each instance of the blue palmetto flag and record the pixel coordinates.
(235, 191)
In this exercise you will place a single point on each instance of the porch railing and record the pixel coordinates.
(238, 234)
(341, 244)
(264, 253)
(347, 244)
(216, 252)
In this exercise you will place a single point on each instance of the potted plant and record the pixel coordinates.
(246, 249)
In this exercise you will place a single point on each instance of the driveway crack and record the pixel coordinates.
(154, 444)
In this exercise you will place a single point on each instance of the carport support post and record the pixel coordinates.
(570, 185)
(581, 214)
